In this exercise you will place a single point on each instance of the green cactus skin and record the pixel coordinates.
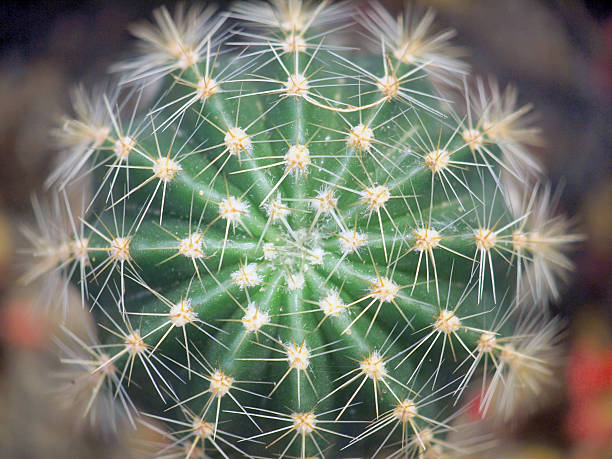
(293, 247)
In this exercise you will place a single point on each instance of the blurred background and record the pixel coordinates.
(559, 55)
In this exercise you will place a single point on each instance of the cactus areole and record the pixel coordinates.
(297, 247)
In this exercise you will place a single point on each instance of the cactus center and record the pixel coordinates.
(297, 158)
(485, 239)
(373, 367)
(332, 305)
(405, 410)
(519, 241)
(247, 276)
(298, 356)
(270, 251)
(375, 197)
(220, 383)
(206, 87)
(360, 137)
(437, 160)
(134, 343)
(492, 130)
(426, 436)
(409, 51)
(237, 141)
(80, 249)
(165, 169)
(255, 318)
(426, 239)
(473, 137)
(510, 356)
(325, 201)
(350, 241)
(294, 44)
(106, 365)
(304, 423)
(389, 85)
(295, 281)
(191, 246)
(123, 146)
(297, 85)
(486, 342)
(232, 208)
(384, 289)
(276, 210)
(186, 58)
(182, 313)
(120, 249)
(203, 429)
(447, 322)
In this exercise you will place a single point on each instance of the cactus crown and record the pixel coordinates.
(294, 246)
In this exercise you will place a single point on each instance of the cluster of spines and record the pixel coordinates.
(109, 252)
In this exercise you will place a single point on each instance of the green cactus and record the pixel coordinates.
(299, 248)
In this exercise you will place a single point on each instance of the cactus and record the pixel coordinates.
(296, 247)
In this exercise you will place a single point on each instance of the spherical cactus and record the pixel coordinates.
(296, 245)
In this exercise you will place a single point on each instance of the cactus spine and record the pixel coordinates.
(295, 248)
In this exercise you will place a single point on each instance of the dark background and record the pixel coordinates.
(558, 53)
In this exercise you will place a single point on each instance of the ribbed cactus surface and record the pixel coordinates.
(296, 245)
